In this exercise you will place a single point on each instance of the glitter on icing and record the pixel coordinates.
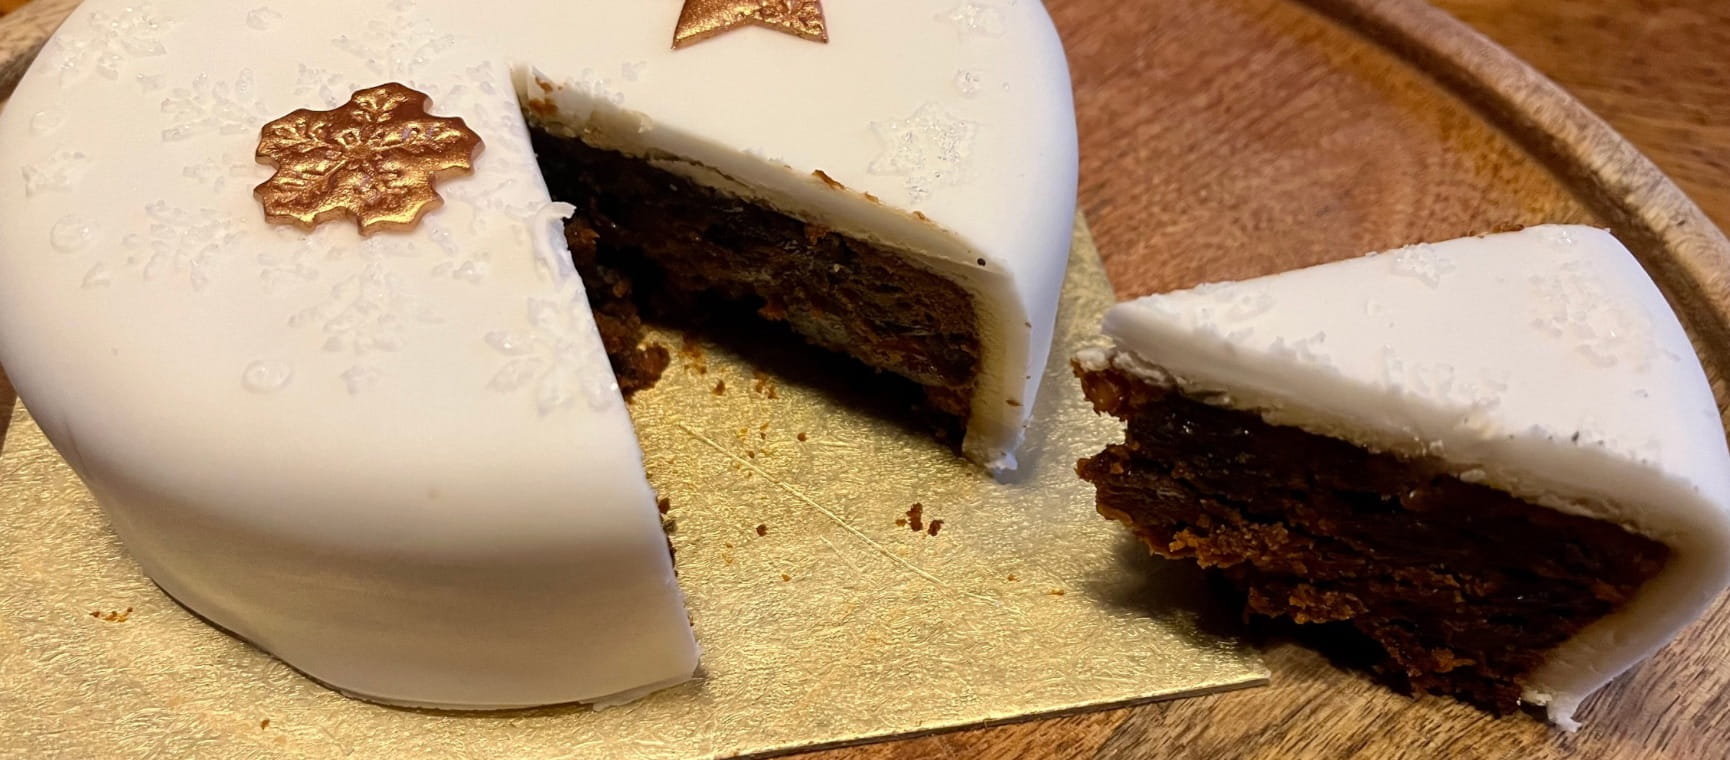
(329, 89)
(969, 83)
(974, 18)
(100, 275)
(930, 148)
(1571, 304)
(549, 358)
(220, 107)
(59, 173)
(262, 18)
(367, 312)
(1422, 263)
(235, 165)
(265, 377)
(398, 46)
(45, 123)
(73, 233)
(107, 43)
(179, 243)
(361, 378)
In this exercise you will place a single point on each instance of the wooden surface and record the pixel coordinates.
(1231, 138)
(1237, 137)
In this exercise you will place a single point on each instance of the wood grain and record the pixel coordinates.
(1231, 138)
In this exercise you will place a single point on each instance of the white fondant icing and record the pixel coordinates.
(1543, 362)
(401, 463)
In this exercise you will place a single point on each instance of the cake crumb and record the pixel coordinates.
(936, 525)
(785, 577)
(900, 522)
(1055, 592)
(112, 616)
(762, 529)
(828, 180)
(664, 505)
(916, 517)
(720, 388)
(803, 438)
(264, 723)
(696, 360)
(1012, 578)
(764, 386)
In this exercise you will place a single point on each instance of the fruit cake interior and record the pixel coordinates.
(653, 244)
(1464, 587)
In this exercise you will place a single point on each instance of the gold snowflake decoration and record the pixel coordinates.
(374, 159)
(703, 19)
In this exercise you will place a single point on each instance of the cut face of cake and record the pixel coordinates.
(1498, 457)
(401, 461)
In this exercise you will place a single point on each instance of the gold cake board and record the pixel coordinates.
(823, 621)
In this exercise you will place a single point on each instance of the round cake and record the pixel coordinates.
(287, 286)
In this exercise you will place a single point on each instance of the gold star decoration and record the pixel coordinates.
(374, 159)
(703, 19)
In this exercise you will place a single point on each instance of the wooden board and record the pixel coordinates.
(1232, 138)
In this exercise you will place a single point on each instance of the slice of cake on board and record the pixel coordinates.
(1497, 457)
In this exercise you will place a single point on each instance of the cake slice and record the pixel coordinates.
(1498, 457)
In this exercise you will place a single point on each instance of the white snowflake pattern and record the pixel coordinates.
(930, 148)
(504, 183)
(58, 173)
(969, 83)
(397, 45)
(315, 84)
(1422, 262)
(1480, 394)
(466, 263)
(44, 123)
(177, 243)
(208, 106)
(236, 165)
(1231, 302)
(974, 18)
(297, 260)
(106, 43)
(1575, 305)
(74, 233)
(361, 378)
(266, 377)
(369, 311)
(262, 18)
(559, 357)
